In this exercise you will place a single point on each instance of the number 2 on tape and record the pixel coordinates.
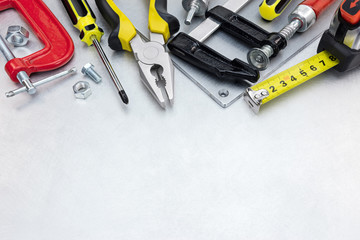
(271, 88)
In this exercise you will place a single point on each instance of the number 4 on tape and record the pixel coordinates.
(273, 87)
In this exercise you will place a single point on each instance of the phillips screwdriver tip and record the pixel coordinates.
(124, 96)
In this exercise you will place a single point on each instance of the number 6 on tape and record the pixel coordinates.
(271, 88)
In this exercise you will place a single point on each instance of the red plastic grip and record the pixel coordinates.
(350, 11)
(318, 5)
(59, 47)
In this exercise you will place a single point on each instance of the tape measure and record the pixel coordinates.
(339, 47)
(273, 87)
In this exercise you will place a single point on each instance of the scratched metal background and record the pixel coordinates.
(95, 169)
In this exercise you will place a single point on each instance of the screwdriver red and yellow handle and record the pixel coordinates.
(123, 31)
(83, 19)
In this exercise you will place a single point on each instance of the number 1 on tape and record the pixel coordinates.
(273, 87)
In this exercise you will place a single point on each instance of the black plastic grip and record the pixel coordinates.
(349, 58)
(173, 22)
(80, 9)
(248, 32)
(113, 20)
(280, 5)
(204, 57)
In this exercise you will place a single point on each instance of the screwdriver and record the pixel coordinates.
(300, 20)
(83, 18)
(271, 9)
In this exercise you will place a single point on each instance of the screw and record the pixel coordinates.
(89, 71)
(260, 57)
(191, 14)
(194, 8)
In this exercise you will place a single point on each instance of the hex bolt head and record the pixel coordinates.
(17, 35)
(88, 70)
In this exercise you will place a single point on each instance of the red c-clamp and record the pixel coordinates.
(59, 47)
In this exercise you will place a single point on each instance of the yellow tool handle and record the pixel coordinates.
(83, 19)
(160, 21)
(273, 87)
(123, 31)
(271, 9)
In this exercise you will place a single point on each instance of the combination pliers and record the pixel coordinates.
(155, 65)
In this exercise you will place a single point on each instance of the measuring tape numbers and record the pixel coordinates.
(273, 87)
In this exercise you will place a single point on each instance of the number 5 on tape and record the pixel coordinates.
(273, 87)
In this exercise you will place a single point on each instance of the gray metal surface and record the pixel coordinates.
(96, 169)
(232, 48)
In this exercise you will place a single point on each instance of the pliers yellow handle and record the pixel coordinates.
(160, 21)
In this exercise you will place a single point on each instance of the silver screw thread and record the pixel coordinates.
(89, 71)
(190, 15)
(267, 50)
(194, 9)
(289, 30)
(93, 75)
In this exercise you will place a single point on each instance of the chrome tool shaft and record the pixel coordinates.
(110, 69)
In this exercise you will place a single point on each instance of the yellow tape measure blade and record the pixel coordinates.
(279, 84)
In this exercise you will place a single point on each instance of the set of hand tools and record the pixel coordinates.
(339, 47)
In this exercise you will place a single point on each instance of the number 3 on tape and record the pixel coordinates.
(271, 88)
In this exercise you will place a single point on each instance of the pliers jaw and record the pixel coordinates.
(155, 66)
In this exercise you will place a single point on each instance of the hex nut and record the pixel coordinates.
(17, 36)
(82, 90)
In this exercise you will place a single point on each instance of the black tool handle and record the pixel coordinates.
(204, 57)
(336, 39)
(349, 58)
(245, 30)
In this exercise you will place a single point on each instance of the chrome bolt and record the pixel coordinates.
(89, 71)
(260, 57)
(194, 8)
(289, 30)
